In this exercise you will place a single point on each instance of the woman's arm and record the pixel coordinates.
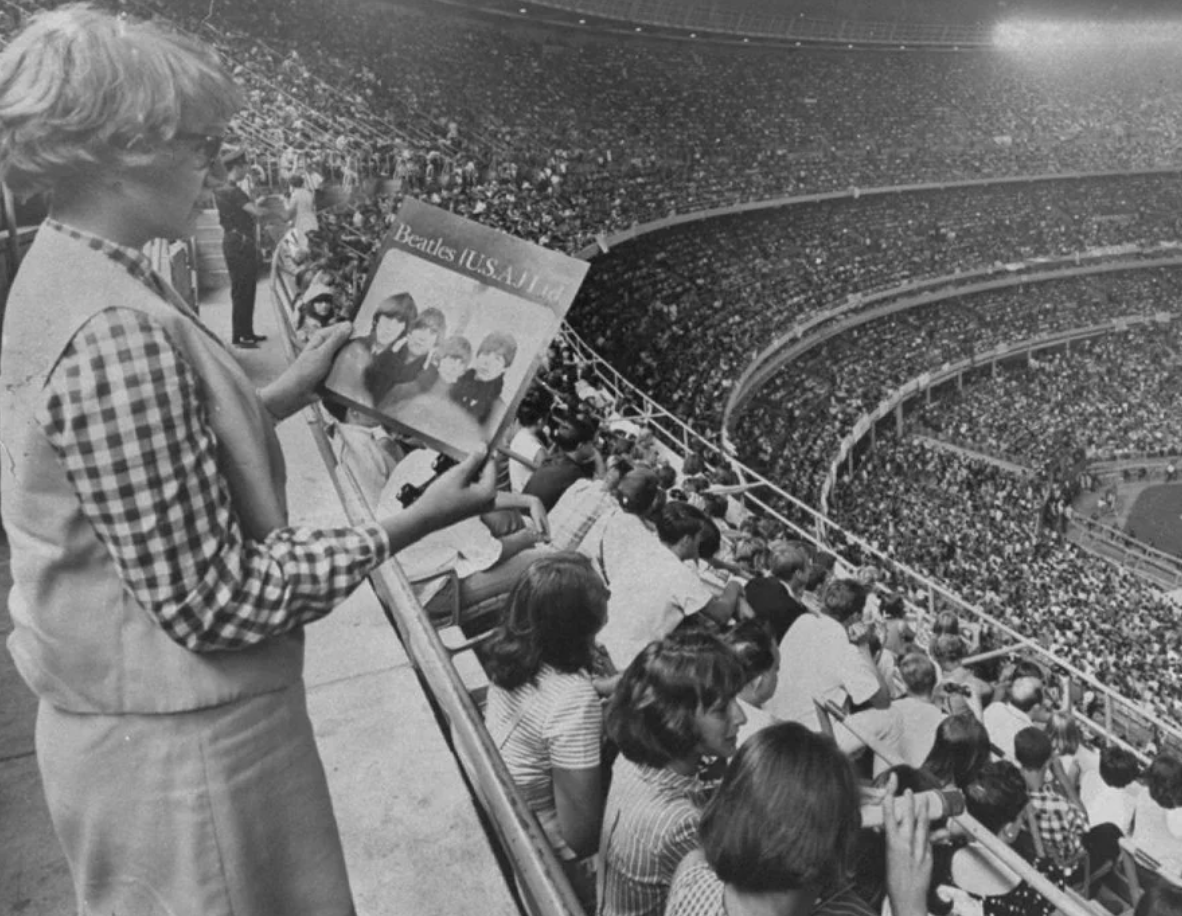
(578, 795)
(531, 505)
(125, 414)
(295, 388)
(574, 735)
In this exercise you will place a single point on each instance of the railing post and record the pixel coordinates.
(1065, 683)
(1108, 713)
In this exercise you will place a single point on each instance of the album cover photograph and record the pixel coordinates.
(452, 327)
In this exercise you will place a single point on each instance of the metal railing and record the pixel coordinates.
(542, 883)
(715, 19)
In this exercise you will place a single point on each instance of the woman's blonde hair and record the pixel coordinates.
(82, 91)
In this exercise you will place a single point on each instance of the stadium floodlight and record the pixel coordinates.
(1050, 34)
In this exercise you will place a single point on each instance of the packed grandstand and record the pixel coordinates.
(781, 240)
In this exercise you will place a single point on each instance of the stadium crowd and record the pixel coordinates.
(794, 424)
(631, 131)
(968, 521)
(614, 607)
(656, 651)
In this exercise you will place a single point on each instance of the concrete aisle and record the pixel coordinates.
(412, 839)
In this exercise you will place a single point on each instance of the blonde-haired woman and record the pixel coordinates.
(159, 593)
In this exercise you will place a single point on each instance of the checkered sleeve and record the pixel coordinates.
(123, 411)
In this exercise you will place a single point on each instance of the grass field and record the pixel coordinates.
(1156, 517)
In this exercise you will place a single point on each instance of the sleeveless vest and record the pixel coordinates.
(81, 640)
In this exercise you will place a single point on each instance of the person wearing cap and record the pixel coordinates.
(159, 591)
(238, 213)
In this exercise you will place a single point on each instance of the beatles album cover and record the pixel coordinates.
(451, 329)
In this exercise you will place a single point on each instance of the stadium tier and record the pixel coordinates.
(858, 329)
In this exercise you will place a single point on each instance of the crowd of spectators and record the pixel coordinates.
(973, 523)
(684, 617)
(1025, 414)
(793, 427)
(682, 676)
(641, 129)
(559, 136)
(741, 281)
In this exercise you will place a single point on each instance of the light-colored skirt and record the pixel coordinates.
(216, 811)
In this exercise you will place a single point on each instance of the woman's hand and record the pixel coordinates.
(908, 852)
(537, 514)
(296, 387)
(465, 490)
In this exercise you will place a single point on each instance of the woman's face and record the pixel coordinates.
(388, 330)
(164, 192)
(718, 728)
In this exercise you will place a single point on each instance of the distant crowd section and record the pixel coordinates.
(736, 283)
(972, 523)
(795, 423)
(557, 135)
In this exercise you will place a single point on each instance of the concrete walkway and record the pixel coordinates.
(412, 838)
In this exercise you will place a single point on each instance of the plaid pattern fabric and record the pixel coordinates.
(123, 413)
(134, 262)
(1060, 824)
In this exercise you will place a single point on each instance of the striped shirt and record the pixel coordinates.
(576, 511)
(650, 825)
(555, 722)
(124, 412)
(698, 891)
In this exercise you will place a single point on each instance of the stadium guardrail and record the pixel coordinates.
(540, 880)
(716, 19)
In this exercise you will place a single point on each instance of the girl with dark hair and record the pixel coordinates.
(961, 749)
(674, 707)
(1157, 823)
(971, 879)
(779, 835)
(543, 712)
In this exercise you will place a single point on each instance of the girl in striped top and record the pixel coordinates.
(675, 706)
(543, 712)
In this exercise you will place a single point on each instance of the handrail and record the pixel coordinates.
(521, 836)
(712, 20)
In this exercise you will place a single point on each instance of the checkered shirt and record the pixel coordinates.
(1060, 824)
(123, 411)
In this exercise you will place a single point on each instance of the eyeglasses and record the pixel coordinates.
(208, 145)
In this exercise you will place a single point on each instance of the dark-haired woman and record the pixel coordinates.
(960, 750)
(674, 707)
(543, 712)
(971, 878)
(778, 836)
